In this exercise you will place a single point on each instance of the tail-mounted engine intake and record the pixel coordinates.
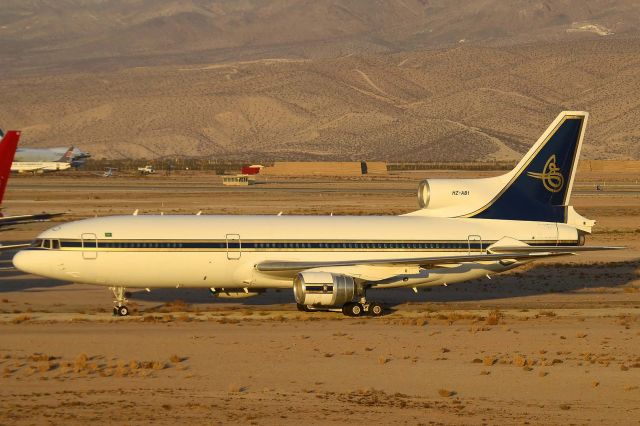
(457, 194)
(323, 288)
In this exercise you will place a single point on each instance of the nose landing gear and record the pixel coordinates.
(119, 293)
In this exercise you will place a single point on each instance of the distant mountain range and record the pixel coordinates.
(399, 80)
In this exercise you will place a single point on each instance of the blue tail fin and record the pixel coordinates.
(540, 186)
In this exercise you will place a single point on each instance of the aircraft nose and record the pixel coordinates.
(23, 260)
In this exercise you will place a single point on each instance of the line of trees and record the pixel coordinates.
(226, 167)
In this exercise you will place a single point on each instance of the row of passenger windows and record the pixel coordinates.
(56, 244)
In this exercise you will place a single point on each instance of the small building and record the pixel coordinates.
(238, 180)
(251, 170)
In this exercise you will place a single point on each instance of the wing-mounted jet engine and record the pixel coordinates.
(537, 189)
(326, 290)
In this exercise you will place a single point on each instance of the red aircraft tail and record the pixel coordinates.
(8, 147)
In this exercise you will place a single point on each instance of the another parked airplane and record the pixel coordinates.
(63, 163)
(8, 146)
(33, 155)
(466, 229)
(108, 172)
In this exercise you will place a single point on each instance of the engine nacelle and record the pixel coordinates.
(452, 197)
(323, 288)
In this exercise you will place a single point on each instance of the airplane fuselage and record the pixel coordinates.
(223, 251)
(39, 166)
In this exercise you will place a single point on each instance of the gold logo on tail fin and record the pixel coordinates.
(551, 176)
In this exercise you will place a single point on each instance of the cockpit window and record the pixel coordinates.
(47, 244)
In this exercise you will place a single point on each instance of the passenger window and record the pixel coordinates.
(55, 244)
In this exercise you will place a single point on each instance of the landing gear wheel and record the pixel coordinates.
(120, 296)
(375, 309)
(352, 309)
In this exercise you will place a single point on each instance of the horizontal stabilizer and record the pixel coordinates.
(512, 245)
(27, 218)
(13, 246)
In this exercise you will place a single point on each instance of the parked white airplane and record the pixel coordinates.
(64, 163)
(467, 229)
(8, 146)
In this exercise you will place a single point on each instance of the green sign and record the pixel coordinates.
(108, 234)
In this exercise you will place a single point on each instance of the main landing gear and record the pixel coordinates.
(351, 309)
(119, 293)
(356, 309)
(362, 307)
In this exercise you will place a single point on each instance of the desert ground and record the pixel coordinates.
(554, 343)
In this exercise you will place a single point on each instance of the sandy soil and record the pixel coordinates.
(554, 343)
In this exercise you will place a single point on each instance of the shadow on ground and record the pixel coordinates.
(538, 280)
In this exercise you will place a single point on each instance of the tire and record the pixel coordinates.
(376, 309)
(123, 311)
(346, 309)
(352, 309)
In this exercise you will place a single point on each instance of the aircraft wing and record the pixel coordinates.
(282, 266)
(384, 267)
(26, 218)
(549, 249)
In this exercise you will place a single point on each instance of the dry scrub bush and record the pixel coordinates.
(382, 360)
(45, 366)
(520, 361)
(445, 393)
(175, 359)
(493, 318)
(40, 357)
(20, 319)
(80, 362)
(184, 318)
(234, 388)
(159, 365)
(488, 361)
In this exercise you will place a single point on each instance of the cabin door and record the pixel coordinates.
(234, 246)
(475, 244)
(89, 246)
